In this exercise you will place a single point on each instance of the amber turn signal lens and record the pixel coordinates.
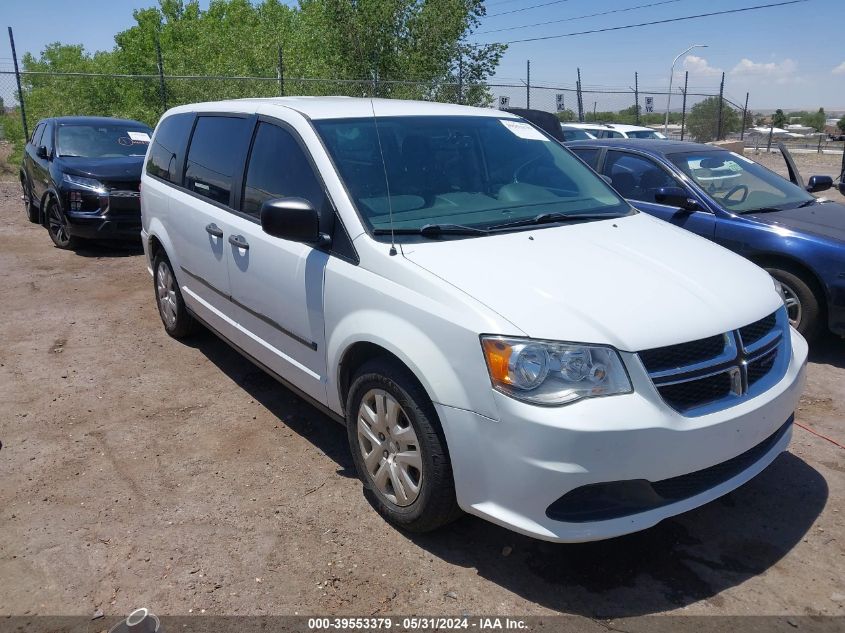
(498, 355)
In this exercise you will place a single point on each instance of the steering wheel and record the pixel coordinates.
(727, 196)
(521, 168)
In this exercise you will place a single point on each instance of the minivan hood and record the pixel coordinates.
(826, 219)
(634, 282)
(122, 168)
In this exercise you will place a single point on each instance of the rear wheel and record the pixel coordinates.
(399, 449)
(803, 305)
(175, 317)
(28, 203)
(57, 227)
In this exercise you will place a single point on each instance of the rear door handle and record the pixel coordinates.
(213, 229)
(239, 241)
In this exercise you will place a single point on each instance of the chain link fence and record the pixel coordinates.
(696, 114)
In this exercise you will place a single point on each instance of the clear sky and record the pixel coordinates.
(790, 57)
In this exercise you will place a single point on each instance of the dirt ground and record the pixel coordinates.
(136, 470)
(810, 164)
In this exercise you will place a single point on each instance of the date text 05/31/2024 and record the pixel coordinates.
(416, 623)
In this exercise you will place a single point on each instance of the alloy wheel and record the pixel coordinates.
(57, 226)
(389, 447)
(166, 294)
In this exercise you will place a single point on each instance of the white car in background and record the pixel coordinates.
(499, 331)
(616, 130)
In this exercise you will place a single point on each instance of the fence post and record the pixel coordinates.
(580, 99)
(461, 78)
(528, 84)
(771, 132)
(161, 86)
(280, 72)
(721, 102)
(744, 114)
(684, 106)
(637, 97)
(20, 90)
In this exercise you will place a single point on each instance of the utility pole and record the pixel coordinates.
(637, 97)
(684, 109)
(528, 84)
(744, 115)
(580, 99)
(460, 77)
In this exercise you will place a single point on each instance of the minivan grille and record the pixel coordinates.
(674, 356)
(716, 372)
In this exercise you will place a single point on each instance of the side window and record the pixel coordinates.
(47, 138)
(169, 146)
(636, 177)
(214, 156)
(588, 154)
(278, 168)
(35, 139)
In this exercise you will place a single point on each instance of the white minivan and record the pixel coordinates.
(499, 331)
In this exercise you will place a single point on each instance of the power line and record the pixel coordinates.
(533, 6)
(632, 26)
(580, 17)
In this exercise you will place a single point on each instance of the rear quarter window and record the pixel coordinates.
(168, 147)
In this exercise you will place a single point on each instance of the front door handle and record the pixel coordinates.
(213, 229)
(239, 241)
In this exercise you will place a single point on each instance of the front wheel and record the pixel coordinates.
(57, 227)
(802, 305)
(399, 449)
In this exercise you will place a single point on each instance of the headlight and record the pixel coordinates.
(85, 183)
(550, 373)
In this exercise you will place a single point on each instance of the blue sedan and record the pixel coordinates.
(743, 206)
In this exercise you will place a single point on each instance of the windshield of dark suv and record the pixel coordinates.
(102, 141)
(467, 174)
(738, 183)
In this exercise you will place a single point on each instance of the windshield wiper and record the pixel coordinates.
(434, 230)
(549, 218)
(762, 210)
(807, 203)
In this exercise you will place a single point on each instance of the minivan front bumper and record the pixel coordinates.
(514, 470)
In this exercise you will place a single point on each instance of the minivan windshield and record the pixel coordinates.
(470, 173)
(738, 183)
(102, 140)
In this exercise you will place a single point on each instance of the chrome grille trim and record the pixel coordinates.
(772, 348)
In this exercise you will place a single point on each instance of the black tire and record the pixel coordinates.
(795, 284)
(435, 504)
(57, 226)
(32, 213)
(181, 324)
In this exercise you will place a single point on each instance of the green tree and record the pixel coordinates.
(703, 120)
(841, 124)
(815, 120)
(779, 118)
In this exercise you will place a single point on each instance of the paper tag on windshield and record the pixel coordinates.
(523, 130)
(141, 137)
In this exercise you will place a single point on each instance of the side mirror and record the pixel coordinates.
(676, 197)
(819, 183)
(293, 219)
(41, 152)
(841, 186)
